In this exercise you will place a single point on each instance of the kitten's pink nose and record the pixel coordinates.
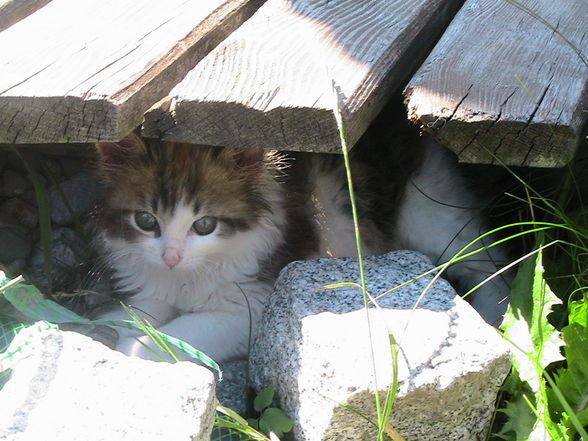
(171, 257)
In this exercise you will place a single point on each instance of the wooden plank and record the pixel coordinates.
(12, 11)
(86, 70)
(502, 81)
(270, 84)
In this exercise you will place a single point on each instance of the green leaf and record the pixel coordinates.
(579, 312)
(264, 398)
(275, 420)
(525, 323)
(29, 301)
(229, 419)
(253, 423)
(521, 418)
(572, 381)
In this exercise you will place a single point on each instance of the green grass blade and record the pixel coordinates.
(345, 151)
(238, 423)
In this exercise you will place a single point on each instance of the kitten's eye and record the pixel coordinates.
(146, 221)
(205, 225)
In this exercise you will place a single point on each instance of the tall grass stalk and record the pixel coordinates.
(382, 413)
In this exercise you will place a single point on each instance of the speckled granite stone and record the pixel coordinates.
(314, 345)
(232, 391)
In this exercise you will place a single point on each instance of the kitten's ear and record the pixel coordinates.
(114, 153)
(250, 157)
(247, 159)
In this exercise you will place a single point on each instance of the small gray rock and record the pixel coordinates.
(14, 184)
(314, 346)
(51, 168)
(232, 391)
(69, 254)
(69, 250)
(65, 386)
(81, 193)
(14, 244)
(20, 212)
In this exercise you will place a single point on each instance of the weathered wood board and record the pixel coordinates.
(270, 84)
(87, 70)
(501, 81)
(12, 11)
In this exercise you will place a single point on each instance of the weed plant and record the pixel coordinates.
(546, 396)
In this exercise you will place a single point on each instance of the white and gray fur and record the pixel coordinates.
(212, 291)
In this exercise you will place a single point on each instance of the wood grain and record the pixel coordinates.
(87, 70)
(12, 11)
(270, 84)
(502, 81)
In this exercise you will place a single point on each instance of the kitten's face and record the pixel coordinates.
(176, 206)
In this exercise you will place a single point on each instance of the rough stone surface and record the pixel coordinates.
(14, 184)
(232, 391)
(81, 192)
(314, 345)
(70, 256)
(20, 212)
(64, 386)
(14, 244)
(69, 250)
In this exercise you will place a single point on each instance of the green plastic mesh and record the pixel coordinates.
(9, 327)
(224, 434)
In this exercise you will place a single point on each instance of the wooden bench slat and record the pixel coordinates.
(12, 11)
(270, 84)
(502, 81)
(86, 70)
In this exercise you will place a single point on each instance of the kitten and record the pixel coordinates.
(199, 234)
(187, 229)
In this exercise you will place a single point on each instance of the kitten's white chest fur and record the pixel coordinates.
(209, 299)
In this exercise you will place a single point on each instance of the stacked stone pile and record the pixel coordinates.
(71, 191)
